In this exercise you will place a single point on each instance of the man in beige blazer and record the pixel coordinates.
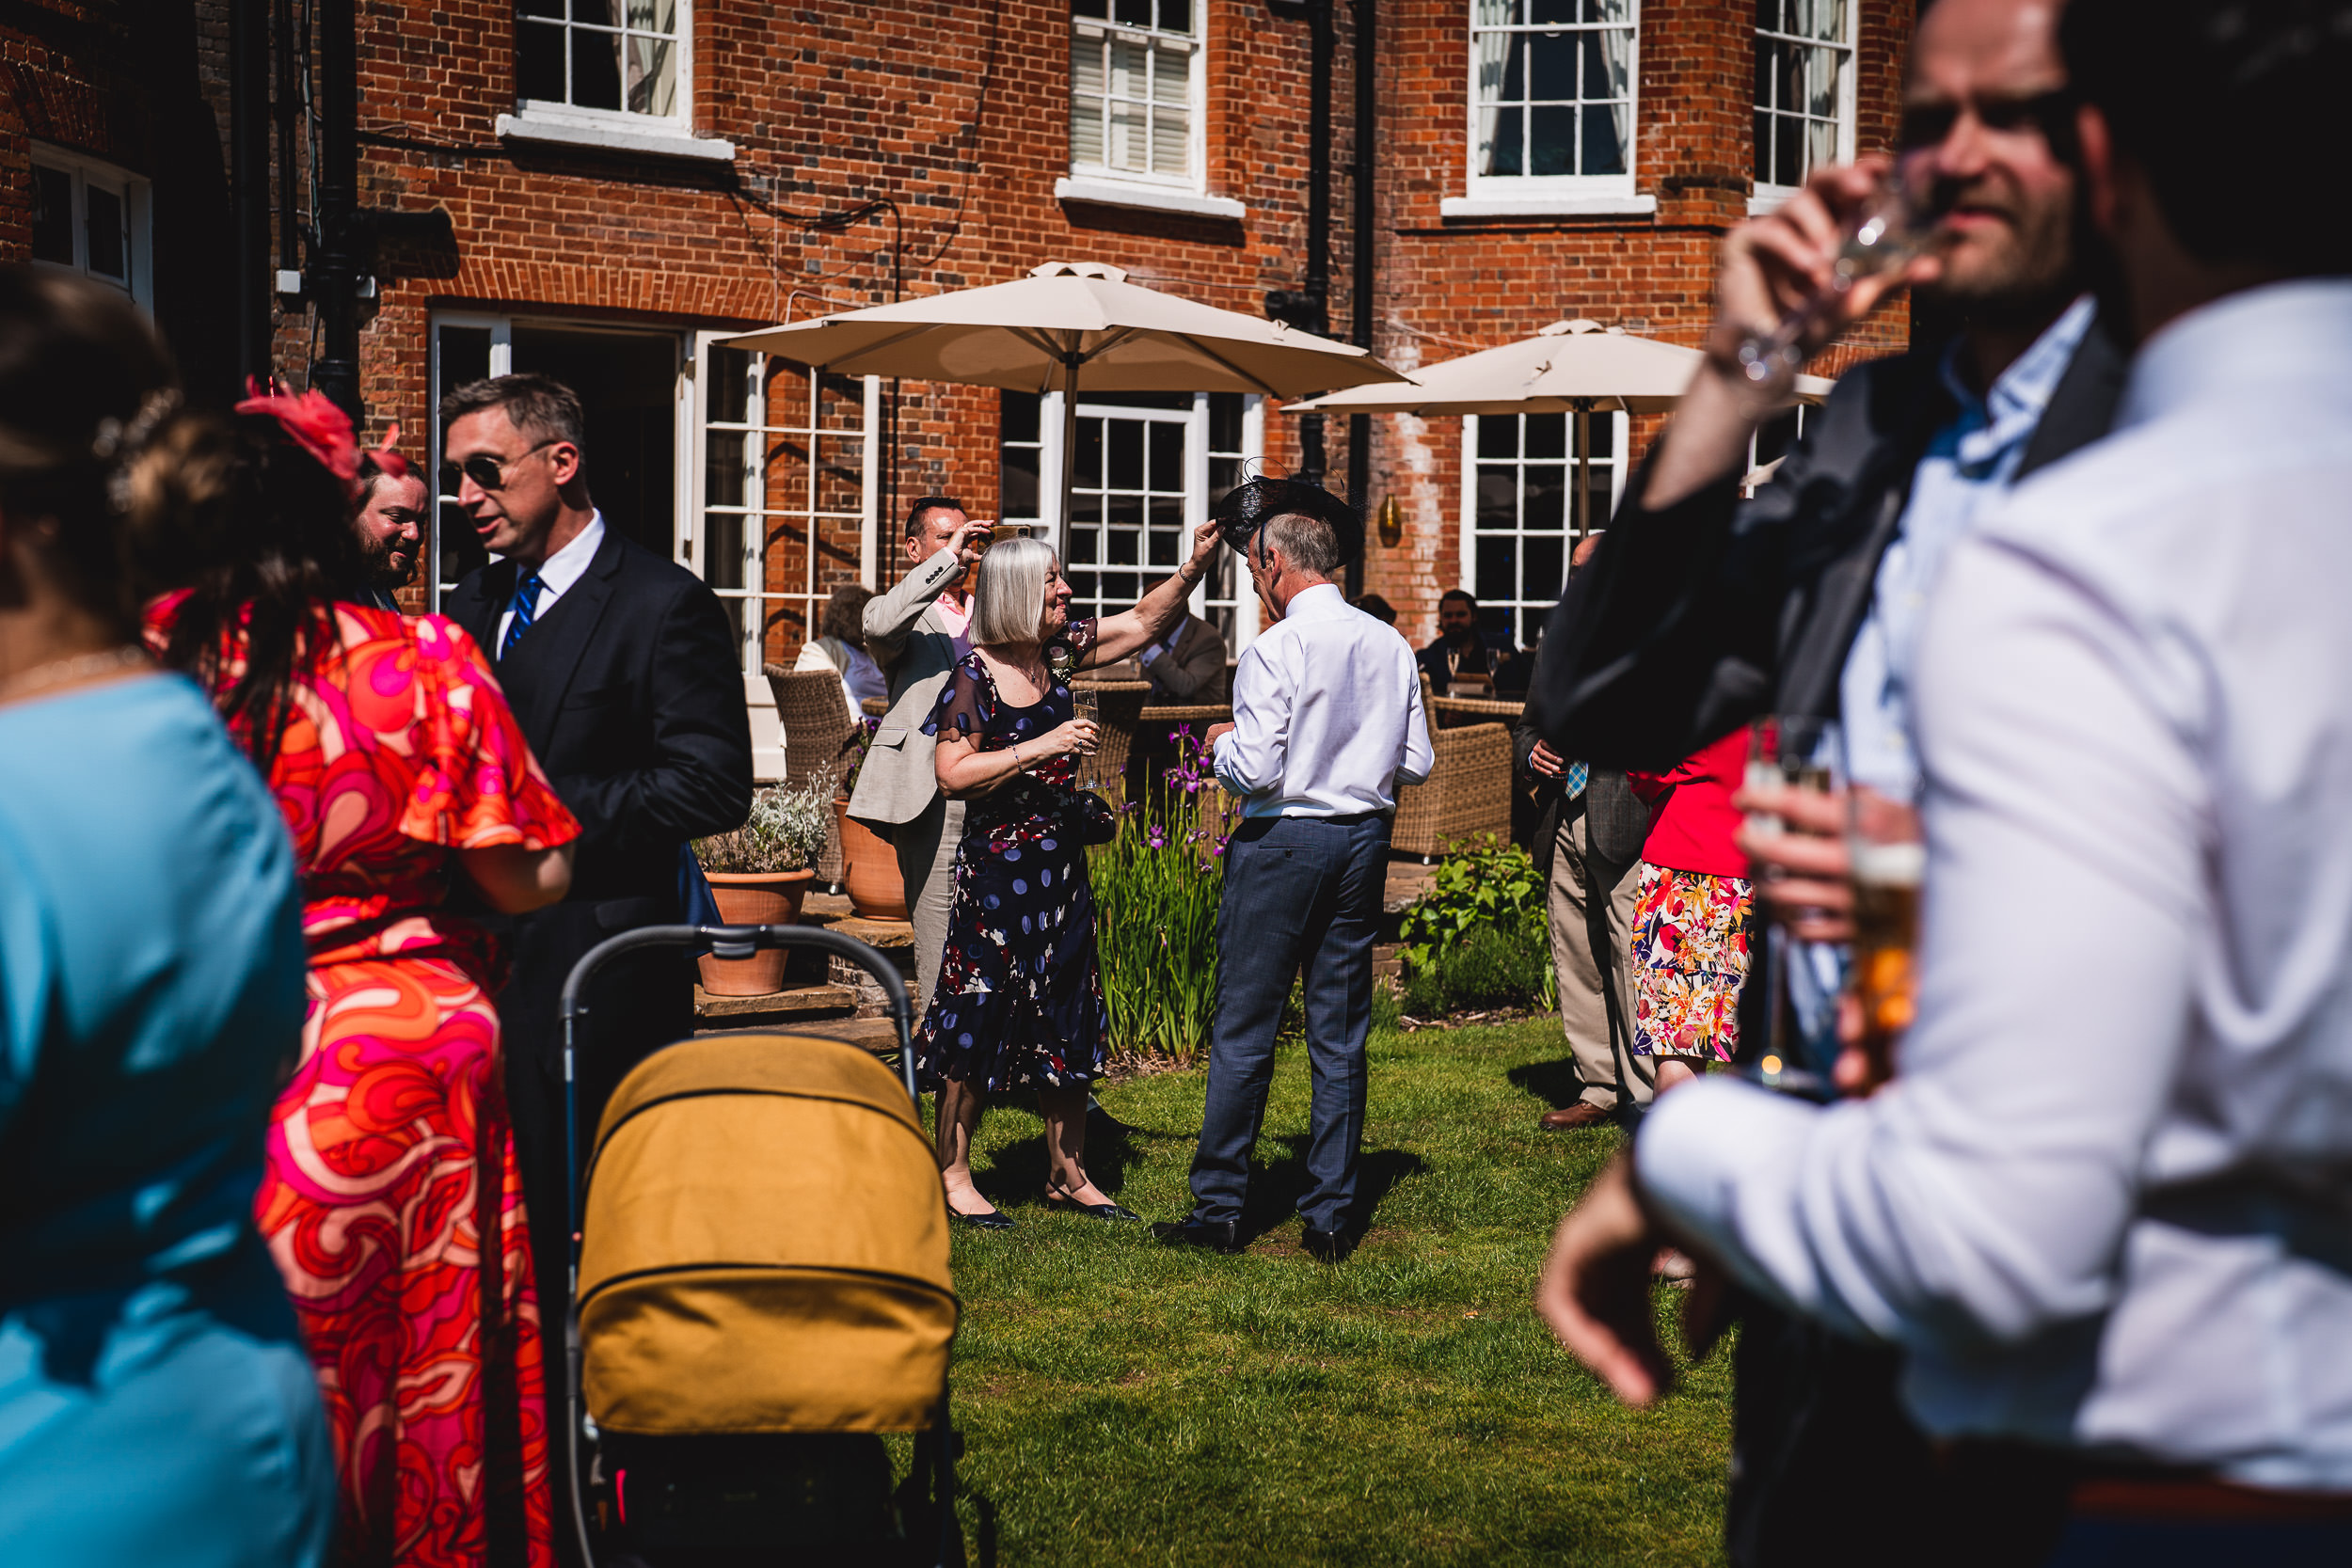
(917, 632)
(1187, 665)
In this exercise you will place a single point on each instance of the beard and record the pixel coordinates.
(2032, 271)
(384, 570)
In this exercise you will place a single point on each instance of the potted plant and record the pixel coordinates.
(758, 875)
(869, 867)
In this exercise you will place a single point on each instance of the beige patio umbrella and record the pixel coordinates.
(1070, 323)
(1571, 367)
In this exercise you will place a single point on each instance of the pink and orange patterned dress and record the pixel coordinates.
(390, 1199)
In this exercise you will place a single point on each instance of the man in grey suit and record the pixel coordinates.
(917, 632)
(1188, 664)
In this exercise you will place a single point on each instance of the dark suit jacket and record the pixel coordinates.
(1691, 621)
(630, 692)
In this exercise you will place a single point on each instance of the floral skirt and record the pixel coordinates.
(1019, 1002)
(1691, 941)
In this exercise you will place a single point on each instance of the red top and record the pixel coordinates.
(1693, 832)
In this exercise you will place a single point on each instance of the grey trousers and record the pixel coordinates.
(1577, 876)
(927, 863)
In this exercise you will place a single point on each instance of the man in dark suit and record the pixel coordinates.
(1700, 613)
(624, 673)
(1459, 648)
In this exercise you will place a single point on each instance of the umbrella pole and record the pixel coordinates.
(1581, 466)
(1069, 442)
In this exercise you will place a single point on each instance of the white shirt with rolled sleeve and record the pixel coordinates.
(2107, 1201)
(1326, 713)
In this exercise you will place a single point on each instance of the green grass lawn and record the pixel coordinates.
(1126, 1402)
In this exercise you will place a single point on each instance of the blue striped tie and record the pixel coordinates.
(526, 596)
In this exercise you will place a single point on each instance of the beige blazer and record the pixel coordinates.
(906, 636)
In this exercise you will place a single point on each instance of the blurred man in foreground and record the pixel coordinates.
(2103, 1204)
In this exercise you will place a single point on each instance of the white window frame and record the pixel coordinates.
(1118, 187)
(1197, 496)
(137, 197)
(613, 129)
(1466, 564)
(1548, 195)
(1769, 197)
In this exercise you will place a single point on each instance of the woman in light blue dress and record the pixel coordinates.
(156, 1404)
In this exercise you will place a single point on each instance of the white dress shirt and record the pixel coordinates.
(2108, 1200)
(1326, 713)
(561, 570)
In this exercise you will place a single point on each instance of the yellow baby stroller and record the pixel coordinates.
(758, 1289)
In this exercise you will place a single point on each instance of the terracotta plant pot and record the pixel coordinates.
(869, 869)
(753, 899)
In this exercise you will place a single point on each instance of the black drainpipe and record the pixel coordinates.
(1309, 308)
(248, 180)
(1359, 273)
(336, 270)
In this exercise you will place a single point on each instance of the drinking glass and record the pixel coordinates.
(1890, 863)
(1894, 224)
(1087, 703)
(1796, 751)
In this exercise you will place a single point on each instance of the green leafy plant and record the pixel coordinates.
(1156, 888)
(1477, 938)
(786, 830)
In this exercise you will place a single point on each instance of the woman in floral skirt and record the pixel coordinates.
(1019, 1002)
(1694, 917)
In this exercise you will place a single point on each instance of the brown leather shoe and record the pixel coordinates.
(1583, 1114)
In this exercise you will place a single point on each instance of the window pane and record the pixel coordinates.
(1091, 8)
(730, 385)
(1787, 152)
(1547, 435)
(1225, 422)
(539, 62)
(1176, 16)
(1127, 464)
(1498, 569)
(1502, 154)
(1170, 141)
(1604, 139)
(1606, 58)
(1820, 82)
(1136, 13)
(1551, 68)
(1084, 546)
(1088, 468)
(1545, 503)
(595, 66)
(109, 233)
(1515, 69)
(1497, 498)
(1085, 100)
(1018, 491)
(722, 474)
(1551, 141)
(1501, 13)
(1545, 567)
(1609, 10)
(1121, 543)
(652, 75)
(53, 216)
(1551, 11)
(1020, 413)
(1499, 435)
(1167, 457)
(544, 7)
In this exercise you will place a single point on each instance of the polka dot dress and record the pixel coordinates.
(1019, 1002)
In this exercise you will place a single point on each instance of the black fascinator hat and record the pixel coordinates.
(1246, 508)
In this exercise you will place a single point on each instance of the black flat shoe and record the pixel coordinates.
(1215, 1235)
(1325, 1246)
(1096, 1210)
(994, 1220)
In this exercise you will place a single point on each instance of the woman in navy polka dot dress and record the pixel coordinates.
(1019, 1002)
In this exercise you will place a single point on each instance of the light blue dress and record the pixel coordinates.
(156, 1404)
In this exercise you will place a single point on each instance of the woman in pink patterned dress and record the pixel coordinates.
(390, 1199)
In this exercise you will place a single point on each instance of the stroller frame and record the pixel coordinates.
(728, 942)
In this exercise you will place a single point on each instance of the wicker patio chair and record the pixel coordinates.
(1119, 707)
(1458, 712)
(817, 724)
(1468, 793)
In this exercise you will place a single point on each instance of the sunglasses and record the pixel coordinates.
(2050, 113)
(487, 472)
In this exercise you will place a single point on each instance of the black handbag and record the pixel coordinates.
(1092, 817)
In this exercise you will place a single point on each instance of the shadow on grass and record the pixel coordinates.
(1016, 1173)
(1556, 1084)
(1275, 1187)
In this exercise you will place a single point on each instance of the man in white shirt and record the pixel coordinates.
(2104, 1204)
(1326, 724)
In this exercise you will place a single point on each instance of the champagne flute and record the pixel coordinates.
(1893, 226)
(1087, 703)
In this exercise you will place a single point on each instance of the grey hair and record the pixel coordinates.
(1307, 543)
(1009, 600)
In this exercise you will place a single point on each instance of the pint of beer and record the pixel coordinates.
(1890, 861)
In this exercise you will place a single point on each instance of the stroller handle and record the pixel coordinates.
(725, 942)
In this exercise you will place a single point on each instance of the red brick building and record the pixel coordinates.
(628, 181)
